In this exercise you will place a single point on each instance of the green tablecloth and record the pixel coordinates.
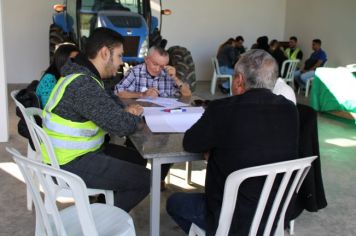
(333, 89)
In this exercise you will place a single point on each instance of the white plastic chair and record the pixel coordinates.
(217, 75)
(307, 86)
(30, 153)
(40, 137)
(79, 219)
(287, 71)
(300, 167)
(309, 83)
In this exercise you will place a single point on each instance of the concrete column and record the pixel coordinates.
(4, 116)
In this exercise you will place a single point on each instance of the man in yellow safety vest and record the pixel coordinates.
(293, 52)
(80, 112)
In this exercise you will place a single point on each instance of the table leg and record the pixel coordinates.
(188, 172)
(155, 197)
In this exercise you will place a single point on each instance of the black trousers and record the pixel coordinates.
(112, 150)
(115, 168)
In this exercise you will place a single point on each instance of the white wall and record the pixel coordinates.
(199, 25)
(203, 25)
(26, 25)
(4, 121)
(331, 21)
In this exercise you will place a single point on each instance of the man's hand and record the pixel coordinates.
(185, 90)
(171, 72)
(151, 92)
(134, 109)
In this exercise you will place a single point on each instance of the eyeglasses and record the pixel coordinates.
(155, 64)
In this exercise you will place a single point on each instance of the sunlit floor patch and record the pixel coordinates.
(342, 142)
(12, 169)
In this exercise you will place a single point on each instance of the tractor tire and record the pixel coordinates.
(56, 36)
(181, 59)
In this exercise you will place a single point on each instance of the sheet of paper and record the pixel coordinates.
(164, 102)
(160, 121)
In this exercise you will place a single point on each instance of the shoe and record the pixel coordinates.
(223, 90)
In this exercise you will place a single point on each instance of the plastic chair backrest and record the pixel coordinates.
(215, 63)
(288, 68)
(18, 104)
(300, 167)
(23, 112)
(52, 223)
(41, 138)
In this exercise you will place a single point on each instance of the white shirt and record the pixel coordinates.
(282, 88)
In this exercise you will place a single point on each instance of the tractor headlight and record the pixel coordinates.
(144, 48)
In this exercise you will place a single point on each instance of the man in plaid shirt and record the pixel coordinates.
(152, 79)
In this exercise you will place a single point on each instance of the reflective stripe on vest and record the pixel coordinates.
(69, 139)
(72, 131)
(294, 54)
(65, 144)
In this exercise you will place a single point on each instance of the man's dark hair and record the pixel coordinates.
(239, 38)
(293, 38)
(317, 41)
(102, 37)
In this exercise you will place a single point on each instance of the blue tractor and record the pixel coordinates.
(75, 19)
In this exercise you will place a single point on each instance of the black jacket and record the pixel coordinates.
(242, 131)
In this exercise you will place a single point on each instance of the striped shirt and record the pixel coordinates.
(137, 79)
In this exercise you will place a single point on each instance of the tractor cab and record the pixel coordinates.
(75, 19)
(131, 18)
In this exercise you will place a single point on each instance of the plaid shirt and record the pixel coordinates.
(137, 79)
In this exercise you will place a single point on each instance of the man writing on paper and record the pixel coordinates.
(152, 79)
(80, 112)
(253, 127)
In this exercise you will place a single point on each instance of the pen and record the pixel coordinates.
(173, 110)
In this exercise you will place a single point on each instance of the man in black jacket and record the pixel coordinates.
(254, 127)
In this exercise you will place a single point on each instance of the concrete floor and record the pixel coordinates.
(337, 140)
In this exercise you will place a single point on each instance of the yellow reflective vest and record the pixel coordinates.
(292, 56)
(70, 139)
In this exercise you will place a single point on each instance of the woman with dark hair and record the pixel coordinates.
(277, 53)
(52, 73)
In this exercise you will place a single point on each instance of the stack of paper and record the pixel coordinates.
(164, 102)
(163, 120)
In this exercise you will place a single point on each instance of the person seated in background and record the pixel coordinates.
(254, 127)
(261, 43)
(52, 73)
(152, 78)
(227, 56)
(316, 59)
(227, 42)
(277, 54)
(293, 52)
(240, 45)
